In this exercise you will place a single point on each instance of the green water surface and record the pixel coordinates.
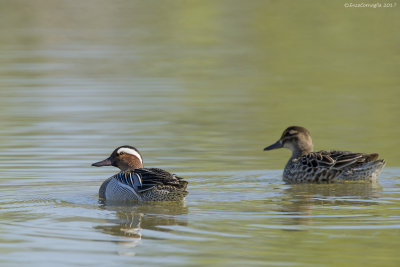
(200, 88)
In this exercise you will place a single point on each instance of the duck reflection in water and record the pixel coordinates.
(132, 219)
(303, 199)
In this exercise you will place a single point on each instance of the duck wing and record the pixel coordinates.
(337, 159)
(151, 177)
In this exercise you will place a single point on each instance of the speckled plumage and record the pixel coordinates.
(306, 166)
(137, 183)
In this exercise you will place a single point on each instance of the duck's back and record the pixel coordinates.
(159, 184)
(330, 166)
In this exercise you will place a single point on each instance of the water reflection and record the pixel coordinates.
(131, 220)
(305, 198)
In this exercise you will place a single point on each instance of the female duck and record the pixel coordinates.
(137, 183)
(324, 166)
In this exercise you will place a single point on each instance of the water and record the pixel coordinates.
(200, 87)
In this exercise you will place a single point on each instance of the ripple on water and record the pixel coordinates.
(236, 208)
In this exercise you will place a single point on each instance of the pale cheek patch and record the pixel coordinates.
(289, 145)
(130, 151)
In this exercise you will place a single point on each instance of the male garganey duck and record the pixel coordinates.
(137, 183)
(324, 166)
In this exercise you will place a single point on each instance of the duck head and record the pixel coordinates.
(295, 138)
(123, 157)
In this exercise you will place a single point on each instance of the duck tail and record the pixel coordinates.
(372, 169)
(182, 184)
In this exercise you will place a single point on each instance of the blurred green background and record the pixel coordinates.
(230, 72)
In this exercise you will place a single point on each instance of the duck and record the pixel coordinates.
(325, 166)
(136, 183)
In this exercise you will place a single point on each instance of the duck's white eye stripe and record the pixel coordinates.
(130, 151)
(292, 132)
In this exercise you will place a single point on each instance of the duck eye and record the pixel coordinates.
(121, 153)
